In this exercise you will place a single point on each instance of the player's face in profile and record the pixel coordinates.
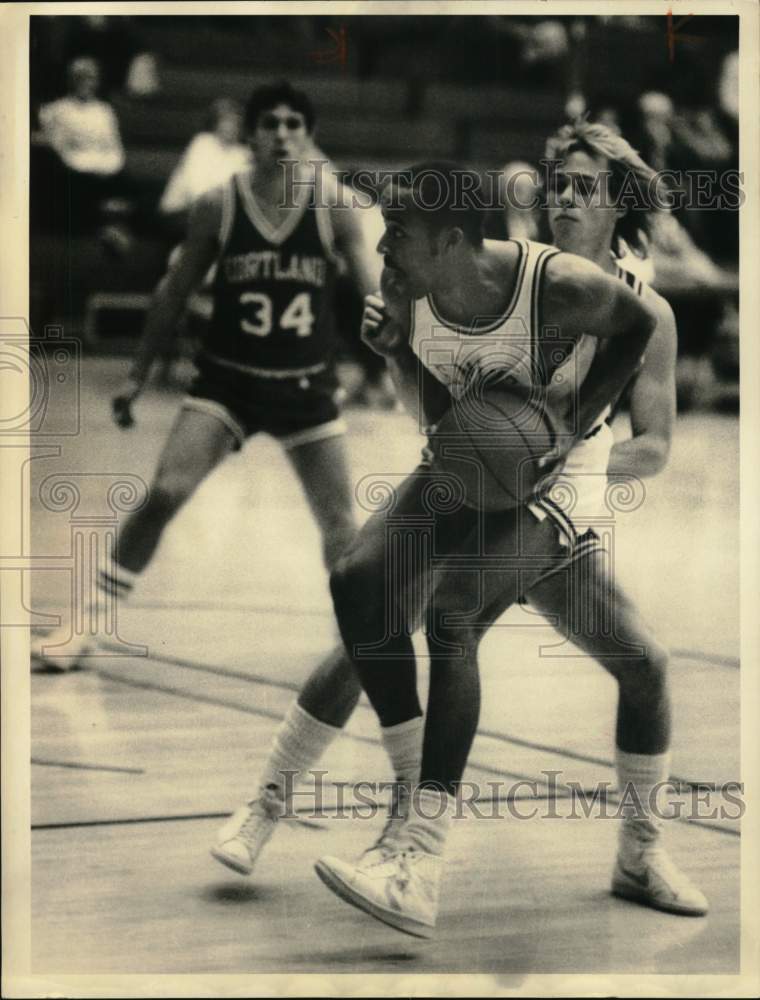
(407, 245)
(581, 208)
(280, 134)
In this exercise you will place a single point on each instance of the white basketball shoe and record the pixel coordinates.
(243, 837)
(59, 652)
(400, 889)
(650, 877)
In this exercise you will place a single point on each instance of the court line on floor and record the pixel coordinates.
(489, 733)
(331, 809)
(676, 653)
(78, 766)
(137, 820)
(267, 714)
(264, 713)
(207, 668)
(716, 658)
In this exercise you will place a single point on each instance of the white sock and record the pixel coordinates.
(113, 588)
(298, 744)
(403, 744)
(429, 819)
(638, 774)
(115, 579)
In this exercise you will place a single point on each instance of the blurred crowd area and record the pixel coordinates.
(133, 117)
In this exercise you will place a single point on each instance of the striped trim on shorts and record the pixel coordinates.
(214, 409)
(333, 428)
(577, 545)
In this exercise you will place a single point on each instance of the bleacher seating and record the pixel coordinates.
(506, 104)
(198, 86)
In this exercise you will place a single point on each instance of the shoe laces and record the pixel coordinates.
(385, 845)
(409, 859)
(267, 806)
(663, 866)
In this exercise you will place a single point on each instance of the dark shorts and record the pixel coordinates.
(295, 409)
(431, 556)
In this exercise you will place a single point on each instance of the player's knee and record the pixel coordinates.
(447, 639)
(645, 676)
(349, 585)
(337, 536)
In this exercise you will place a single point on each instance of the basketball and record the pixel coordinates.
(499, 442)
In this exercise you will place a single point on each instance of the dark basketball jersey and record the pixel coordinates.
(273, 286)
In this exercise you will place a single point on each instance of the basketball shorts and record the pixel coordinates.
(296, 408)
(574, 501)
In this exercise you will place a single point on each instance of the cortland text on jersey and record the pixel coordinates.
(271, 265)
(273, 287)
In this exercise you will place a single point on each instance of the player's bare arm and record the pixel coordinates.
(197, 254)
(353, 244)
(653, 402)
(385, 328)
(579, 298)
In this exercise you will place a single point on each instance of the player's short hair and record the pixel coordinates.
(446, 194)
(266, 98)
(640, 188)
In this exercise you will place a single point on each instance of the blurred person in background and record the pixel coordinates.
(689, 139)
(210, 159)
(110, 41)
(521, 200)
(545, 55)
(75, 188)
(695, 254)
(82, 129)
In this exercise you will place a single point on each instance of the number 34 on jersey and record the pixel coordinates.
(258, 319)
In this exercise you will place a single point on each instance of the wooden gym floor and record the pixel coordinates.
(137, 760)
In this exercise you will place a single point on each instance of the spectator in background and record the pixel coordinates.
(657, 129)
(81, 129)
(521, 200)
(112, 41)
(211, 158)
(691, 139)
(88, 156)
(545, 55)
(728, 86)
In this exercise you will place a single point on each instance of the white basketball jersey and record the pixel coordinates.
(507, 343)
(579, 489)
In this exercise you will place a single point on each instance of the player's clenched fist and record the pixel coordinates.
(121, 404)
(382, 336)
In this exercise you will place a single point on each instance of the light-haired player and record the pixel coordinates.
(587, 155)
(652, 412)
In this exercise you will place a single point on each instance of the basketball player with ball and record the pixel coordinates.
(400, 885)
(643, 728)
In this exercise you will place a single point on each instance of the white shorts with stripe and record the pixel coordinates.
(576, 500)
